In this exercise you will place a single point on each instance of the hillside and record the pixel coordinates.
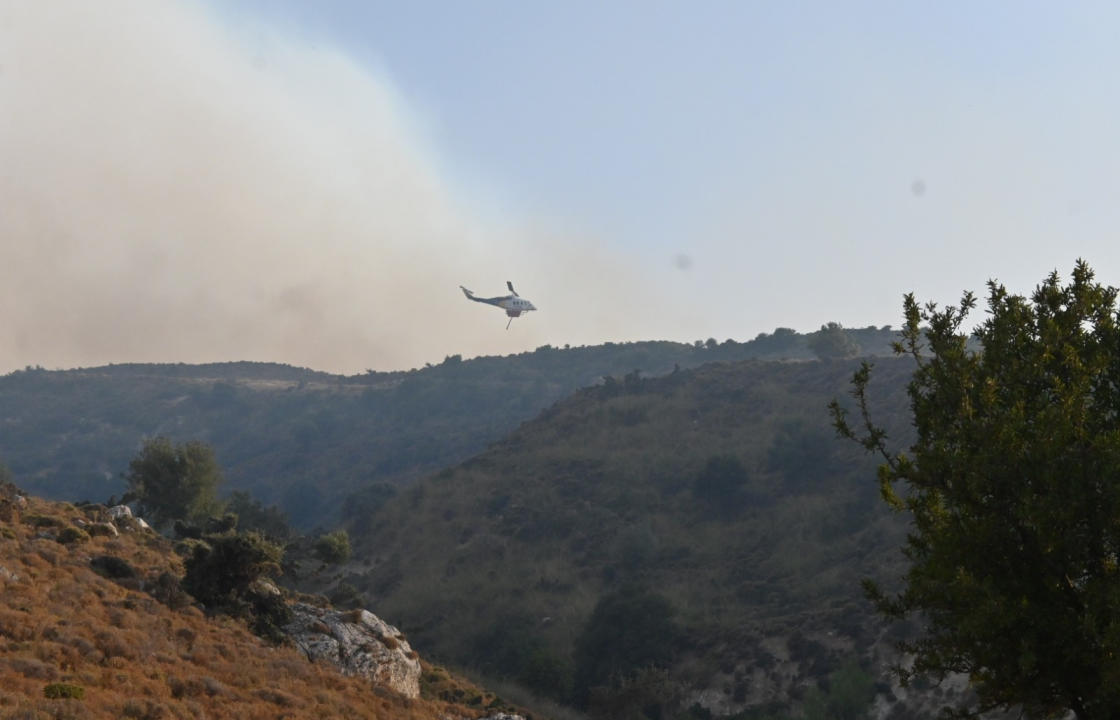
(307, 440)
(76, 644)
(713, 509)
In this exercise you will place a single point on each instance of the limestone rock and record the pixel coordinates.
(122, 517)
(359, 643)
(120, 511)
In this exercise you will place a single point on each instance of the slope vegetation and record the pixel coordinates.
(308, 440)
(707, 523)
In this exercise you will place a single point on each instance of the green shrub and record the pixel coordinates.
(628, 630)
(57, 691)
(72, 536)
(167, 590)
(222, 572)
(102, 529)
(227, 566)
(347, 596)
(333, 547)
(37, 520)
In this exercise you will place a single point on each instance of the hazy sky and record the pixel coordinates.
(309, 182)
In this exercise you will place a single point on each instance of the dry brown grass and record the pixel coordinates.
(134, 657)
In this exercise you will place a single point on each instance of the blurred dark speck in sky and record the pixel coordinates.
(682, 262)
(918, 187)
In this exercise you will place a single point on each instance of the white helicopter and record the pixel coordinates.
(513, 303)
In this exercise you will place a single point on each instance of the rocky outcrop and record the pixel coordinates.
(122, 517)
(120, 511)
(359, 643)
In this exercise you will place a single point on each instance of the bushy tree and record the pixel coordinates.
(1013, 484)
(223, 571)
(832, 341)
(333, 547)
(271, 521)
(225, 566)
(174, 481)
(516, 649)
(628, 630)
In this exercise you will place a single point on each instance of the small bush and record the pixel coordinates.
(347, 596)
(187, 547)
(37, 520)
(333, 547)
(72, 536)
(112, 567)
(144, 710)
(276, 697)
(167, 590)
(32, 668)
(57, 691)
(101, 529)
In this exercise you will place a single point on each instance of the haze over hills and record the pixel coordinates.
(306, 440)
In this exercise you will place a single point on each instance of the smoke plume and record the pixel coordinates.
(173, 191)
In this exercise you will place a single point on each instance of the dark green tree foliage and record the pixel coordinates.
(1013, 485)
(225, 567)
(629, 630)
(848, 697)
(251, 514)
(174, 481)
(333, 547)
(832, 341)
(223, 573)
(516, 650)
(721, 485)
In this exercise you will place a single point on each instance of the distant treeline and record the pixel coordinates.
(306, 440)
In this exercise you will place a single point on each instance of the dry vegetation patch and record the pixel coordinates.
(83, 635)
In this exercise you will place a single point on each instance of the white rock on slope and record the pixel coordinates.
(359, 643)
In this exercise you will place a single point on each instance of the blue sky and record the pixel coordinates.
(309, 182)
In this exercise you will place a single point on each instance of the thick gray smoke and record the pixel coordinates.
(170, 191)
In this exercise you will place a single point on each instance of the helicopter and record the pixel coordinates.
(513, 303)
